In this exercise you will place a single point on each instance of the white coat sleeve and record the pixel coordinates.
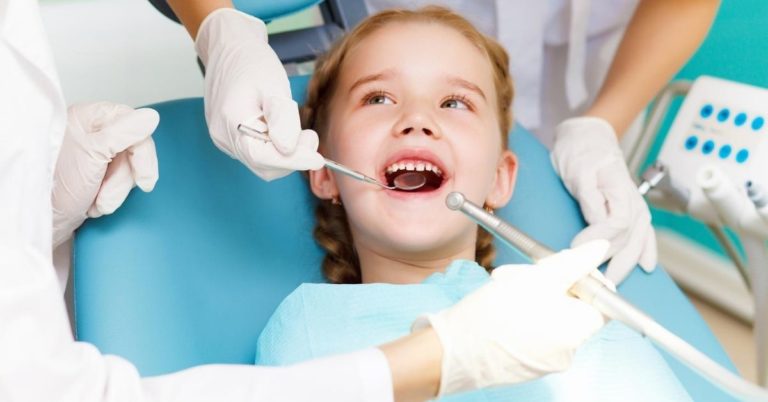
(39, 360)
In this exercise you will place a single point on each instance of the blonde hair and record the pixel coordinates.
(341, 263)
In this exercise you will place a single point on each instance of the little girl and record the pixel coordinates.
(423, 91)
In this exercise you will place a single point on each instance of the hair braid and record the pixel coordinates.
(332, 233)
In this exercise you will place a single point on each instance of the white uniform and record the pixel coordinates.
(560, 50)
(39, 360)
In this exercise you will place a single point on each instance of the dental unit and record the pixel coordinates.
(715, 154)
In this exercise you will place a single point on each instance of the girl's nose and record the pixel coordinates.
(425, 130)
(417, 121)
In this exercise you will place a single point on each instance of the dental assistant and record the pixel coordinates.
(58, 166)
(584, 70)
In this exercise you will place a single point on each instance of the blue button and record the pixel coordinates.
(691, 142)
(706, 111)
(723, 115)
(742, 156)
(725, 150)
(740, 119)
(757, 123)
(708, 147)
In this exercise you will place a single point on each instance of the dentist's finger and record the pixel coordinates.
(283, 122)
(608, 229)
(117, 183)
(143, 161)
(566, 267)
(649, 257)
(255, 124)
(126, 130)
(306, 156)
(625, 260)
(570, 265)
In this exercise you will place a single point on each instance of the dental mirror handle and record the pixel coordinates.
(328, 163)
(612, 305)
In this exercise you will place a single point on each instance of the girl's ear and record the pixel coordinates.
(323, 184)
(504, 185)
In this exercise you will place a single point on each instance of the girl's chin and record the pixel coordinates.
(423, 238)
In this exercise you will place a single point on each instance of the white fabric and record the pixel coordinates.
(39, 360)
(245, 83)
(560, 50)
(106, 151)
(587, 157)
(32, 116)
(540, 333)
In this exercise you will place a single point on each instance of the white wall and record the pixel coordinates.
(120, 50)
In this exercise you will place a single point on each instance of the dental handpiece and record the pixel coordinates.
(612, 305)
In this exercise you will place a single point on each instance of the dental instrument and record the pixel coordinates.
(593, 290)
(409, 181)
(716, 152)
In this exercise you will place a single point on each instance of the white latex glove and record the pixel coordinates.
(245, 83)
(520, 326)
(107, 150)
(587, 156)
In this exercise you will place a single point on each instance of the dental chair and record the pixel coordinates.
(189, 273)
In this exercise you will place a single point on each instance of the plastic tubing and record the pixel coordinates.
(613, 306)
(722, 194)
(732, 206)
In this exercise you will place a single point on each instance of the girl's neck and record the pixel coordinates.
(377, 268)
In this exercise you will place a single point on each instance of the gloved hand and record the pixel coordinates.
(520, 326)
(245, 83)
(107, 150)
(587, 156)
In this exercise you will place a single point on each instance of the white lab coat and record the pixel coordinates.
(560, 50)
(39, 360)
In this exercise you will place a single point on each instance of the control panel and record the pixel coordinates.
(721, 124)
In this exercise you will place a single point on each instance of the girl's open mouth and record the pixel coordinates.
(433, 176)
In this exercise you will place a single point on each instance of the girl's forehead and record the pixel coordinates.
(419, 49)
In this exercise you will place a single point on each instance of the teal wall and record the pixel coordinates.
(735, 49)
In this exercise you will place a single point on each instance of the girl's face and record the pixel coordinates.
(415, 96)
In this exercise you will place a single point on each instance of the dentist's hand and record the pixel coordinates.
(520, 326)
(245, 83)
(587, 156)
(107, 150)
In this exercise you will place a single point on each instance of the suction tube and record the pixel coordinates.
(613, 306)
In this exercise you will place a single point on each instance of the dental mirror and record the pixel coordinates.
(410, 181)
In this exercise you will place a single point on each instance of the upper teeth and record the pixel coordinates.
(418, 166)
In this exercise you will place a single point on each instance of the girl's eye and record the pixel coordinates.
(378, 99)
(455, 104)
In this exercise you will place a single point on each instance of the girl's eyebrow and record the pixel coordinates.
(458, 81)
(372, 77)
